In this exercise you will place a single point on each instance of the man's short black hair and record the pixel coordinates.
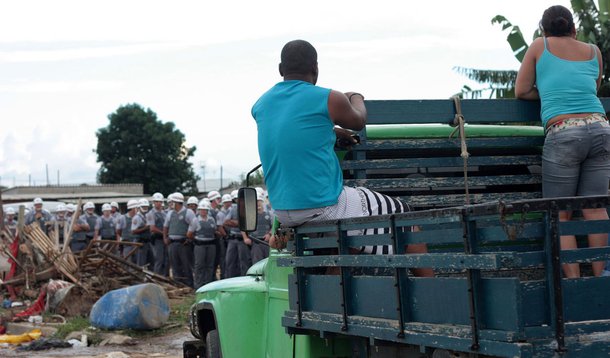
(298, 57)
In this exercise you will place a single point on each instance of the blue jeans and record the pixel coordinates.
(576, 161)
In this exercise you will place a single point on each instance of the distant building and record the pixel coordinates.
(98, 194)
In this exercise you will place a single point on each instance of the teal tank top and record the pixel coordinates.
(296, 146)
(566, 87)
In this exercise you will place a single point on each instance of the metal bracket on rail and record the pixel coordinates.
(343, 250)
(399, 274)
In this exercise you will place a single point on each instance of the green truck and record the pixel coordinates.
(493, 244)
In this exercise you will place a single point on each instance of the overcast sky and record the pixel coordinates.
(66, 65)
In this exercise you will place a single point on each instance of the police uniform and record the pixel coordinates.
(11, 225)
(263, 226)
(156, 218)
(62, 225)
(127, 236)
(144, 255)
(205, 251)
(222, 243)
(238, 259)
(42, 221)
(106, 226)
(79, 238)
(90, 219)
(180, 250)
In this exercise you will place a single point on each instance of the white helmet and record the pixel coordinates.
(213, 195)
(37, 201)
(260, 197)
(192, 200)
(143, 202)
(157, 197)
(70, 208)
(132, 203)
(60, 207)
(226, 198)
(106, 207)
(88, 205)
(205, 200)
(114, 204)
(259, 190)
(204, 204)
(177, 197)
(9, 211)
(234, 194)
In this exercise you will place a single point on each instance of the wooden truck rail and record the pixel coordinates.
(483, 300)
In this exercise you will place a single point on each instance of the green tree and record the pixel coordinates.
(256, 178)
(593, 26)
(136, 147)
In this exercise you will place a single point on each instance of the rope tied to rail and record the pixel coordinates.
(458, 123)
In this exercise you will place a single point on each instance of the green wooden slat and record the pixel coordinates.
(456, 261)
(447, 200)
(443, 162)
(586, 299)
(580, 228)
(453, 182)
(532, 144)
(331, 323)
(588, 254)
(443, 111)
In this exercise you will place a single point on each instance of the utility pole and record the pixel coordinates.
(221, 176)
(47, 169)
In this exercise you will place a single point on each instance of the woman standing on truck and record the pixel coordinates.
(564, 74)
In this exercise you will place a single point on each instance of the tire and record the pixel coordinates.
(212, 345)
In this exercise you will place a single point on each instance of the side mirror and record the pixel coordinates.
(247, 209)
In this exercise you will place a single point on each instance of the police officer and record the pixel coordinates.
(155, 219)
(124, 229)
(192, 204)
(70, 209)
(238, 259)
(215, 203)
(10, 223)
(205, 246)
(39, 215)
(80, 228)
(141, 230)
(114, 211)
(105, 227)
(178, 231)
(223, 242)
(91, 218)
(60, 222)
(258, 250)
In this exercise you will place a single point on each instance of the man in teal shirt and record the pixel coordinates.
(298, 123)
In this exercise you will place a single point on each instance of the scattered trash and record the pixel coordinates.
(45, 343)
(21, 338)
(118, 340)
(35, 319)
(7, 303)
(76, 343)
(17, 304)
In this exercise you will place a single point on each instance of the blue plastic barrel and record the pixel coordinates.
(139, 307)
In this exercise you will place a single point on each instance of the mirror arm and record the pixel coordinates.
(250, 172)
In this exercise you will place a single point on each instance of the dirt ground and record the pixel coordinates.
(165, 346)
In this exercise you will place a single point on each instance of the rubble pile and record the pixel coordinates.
(38, 260)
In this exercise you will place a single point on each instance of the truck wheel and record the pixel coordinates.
(212, 345)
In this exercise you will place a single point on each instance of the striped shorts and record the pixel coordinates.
(352, 202)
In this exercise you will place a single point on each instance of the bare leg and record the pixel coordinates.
(420, 249)
(597, 240)
(568, 242)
